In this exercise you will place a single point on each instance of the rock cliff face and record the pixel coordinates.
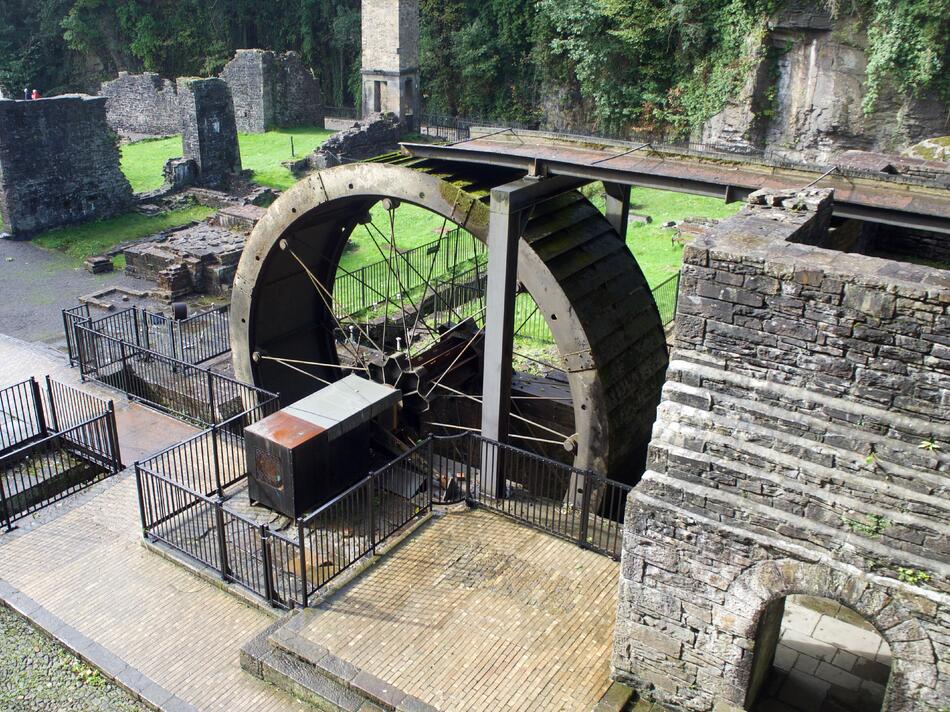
(804, 99)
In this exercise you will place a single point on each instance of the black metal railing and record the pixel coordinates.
(562, 500)
(665, 295)
(188, 391)
(195, 339)
(185, 504)
(368, 286)
(67, 442)
(21, 415)
(341, 112)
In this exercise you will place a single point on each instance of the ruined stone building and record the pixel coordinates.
(59, 164)
(390, 64)
(801, 447)
(272, 90)
(142, 104)
(209, 133)
(269, 90)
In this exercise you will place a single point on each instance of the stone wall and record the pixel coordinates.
(801, 447)
(209, 132)
(59, 164)
(142, 104)
(803, 99)
(272, 90)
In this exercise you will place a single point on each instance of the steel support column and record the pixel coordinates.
(510, 208)
(618, 207)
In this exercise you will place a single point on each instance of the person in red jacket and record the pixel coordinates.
(36, 94)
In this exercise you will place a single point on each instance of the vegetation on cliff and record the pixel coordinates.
(618, 64)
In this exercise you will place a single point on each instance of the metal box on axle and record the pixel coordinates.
(305, 454)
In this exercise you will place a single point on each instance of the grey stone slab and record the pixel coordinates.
(377, 689)
(615, 699)
(337, 668)
(414, 704)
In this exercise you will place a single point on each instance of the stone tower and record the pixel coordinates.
(391, 58)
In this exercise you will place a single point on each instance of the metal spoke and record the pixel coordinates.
(540, 363)
(513, 415)
(321, 290)
(313, 363)
(299, 370)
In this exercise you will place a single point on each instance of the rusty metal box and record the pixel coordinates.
(307, 453)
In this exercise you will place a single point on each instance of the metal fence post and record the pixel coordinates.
(113, 438)
(432, 468)
(217, 464)
(211, 405)
(372, 513)
(141, 494)
(265, 561)
(468, 466)
(53, 416)
(125, 376)
(222, 540)
(585, 508)
(38, 406)
(304, 587)
(135, 324)
(4, 505)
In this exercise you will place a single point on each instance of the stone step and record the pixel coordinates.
(921, 470)
(314, 675)
(727, 446)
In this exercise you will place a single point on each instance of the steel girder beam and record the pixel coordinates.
(725, 187)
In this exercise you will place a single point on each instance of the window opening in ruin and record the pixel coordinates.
(377, 96)
(409, 95)
(814, 654)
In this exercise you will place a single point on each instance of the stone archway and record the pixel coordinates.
(745, 611)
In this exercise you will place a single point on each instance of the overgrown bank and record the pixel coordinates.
(610, 65)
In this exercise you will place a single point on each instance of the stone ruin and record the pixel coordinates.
(209, 133)
(198, 258)
(272, 90)
(363, 139)
(390, 58)
(59, 164)
(802, 446)
(142, 104)
(269, 90)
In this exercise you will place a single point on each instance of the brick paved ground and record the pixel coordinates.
(88, 568)
(476, 612)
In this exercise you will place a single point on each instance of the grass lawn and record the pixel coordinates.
(95, 238)
(650, 244)
(142, 161)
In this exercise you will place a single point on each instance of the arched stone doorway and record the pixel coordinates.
(815, 654)
(759, 597)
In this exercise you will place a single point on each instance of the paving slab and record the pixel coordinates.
(89, 571)
(476, 612)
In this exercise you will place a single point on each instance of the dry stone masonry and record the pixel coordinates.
(209, 134)
(802, 447)
(59, 164)
(272, 90)
(142, 104)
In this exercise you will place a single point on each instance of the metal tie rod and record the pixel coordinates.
(621, 155)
